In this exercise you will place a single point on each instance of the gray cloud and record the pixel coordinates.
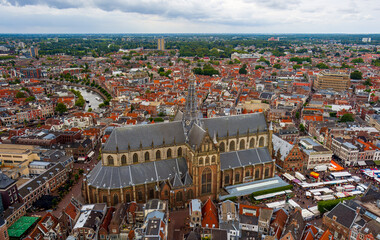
(188, 15)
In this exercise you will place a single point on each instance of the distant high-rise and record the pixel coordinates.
(161, 44)
(33, 51)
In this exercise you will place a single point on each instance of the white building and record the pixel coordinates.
(315, 153)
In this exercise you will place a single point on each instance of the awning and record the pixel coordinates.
(91, 154)
(370, 162)
(361, 163)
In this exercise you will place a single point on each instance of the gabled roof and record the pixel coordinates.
(176, 182)
(243, 158)
(210, 215)
(327, 235)
(281, 146)
(116, 177)
(344, 215)
(5, 181)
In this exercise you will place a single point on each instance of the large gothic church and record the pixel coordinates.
(190, 157)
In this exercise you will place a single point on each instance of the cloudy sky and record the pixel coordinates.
(189, 16)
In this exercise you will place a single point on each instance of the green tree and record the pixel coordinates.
(30, 99)
(368, 82)
(347, 117)
(278, 66)
(356, 75)
(298, 115)
(243, 69)
(322, 66)
(295, 67)
(302, 128)
(89, 110)
(61, 108)
(358, 60)
(20, 94)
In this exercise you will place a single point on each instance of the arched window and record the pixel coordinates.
(242, 144)
(158, 154)
(261, 142)
(207, 160)
(110, 160)
(206, 180)
(179, 196)
(123, 160)
(213, 159)
(266, 173)
(200, 161)
(247, 173)
(190, 194)
(252, 143)
(179, 152)
(232, 146)
(257, 173)
(222, 147)
(135, 158)
(151, 193)
(115, 199)
(227, 179)
(237, 177)
(166, 193)
(169, 153)
(127, 197)
(146, 156)
(104, 198)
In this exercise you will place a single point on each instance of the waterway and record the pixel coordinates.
(93, 99)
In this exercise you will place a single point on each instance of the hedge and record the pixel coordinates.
(273, 190)
(328, 205)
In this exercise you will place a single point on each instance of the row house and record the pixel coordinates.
(345, 151)
(14, 213)
(47, 228)
(44, 184)
(89, 221)
(315, 154)
(288, 157)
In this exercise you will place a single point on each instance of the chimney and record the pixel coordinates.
(357, 210)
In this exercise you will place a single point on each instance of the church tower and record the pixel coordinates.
(190, 115)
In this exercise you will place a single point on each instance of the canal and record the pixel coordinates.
(92, 99)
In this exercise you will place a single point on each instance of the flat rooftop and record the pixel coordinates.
(21, 226)
(250, 187)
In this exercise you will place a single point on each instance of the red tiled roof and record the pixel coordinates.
(71, 211)
(210, 215)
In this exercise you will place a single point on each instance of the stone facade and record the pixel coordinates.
(181, 160)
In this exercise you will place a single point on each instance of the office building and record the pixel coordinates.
(161, 44)
(332, 80)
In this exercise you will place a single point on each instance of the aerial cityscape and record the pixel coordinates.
(189, 120)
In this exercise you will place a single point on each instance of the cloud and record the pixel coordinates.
(252, 16)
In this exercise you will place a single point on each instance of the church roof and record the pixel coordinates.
(232, 124)
(124, 176)
(196, 136)
(144, 135)
(176, 182)
(243, 158)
